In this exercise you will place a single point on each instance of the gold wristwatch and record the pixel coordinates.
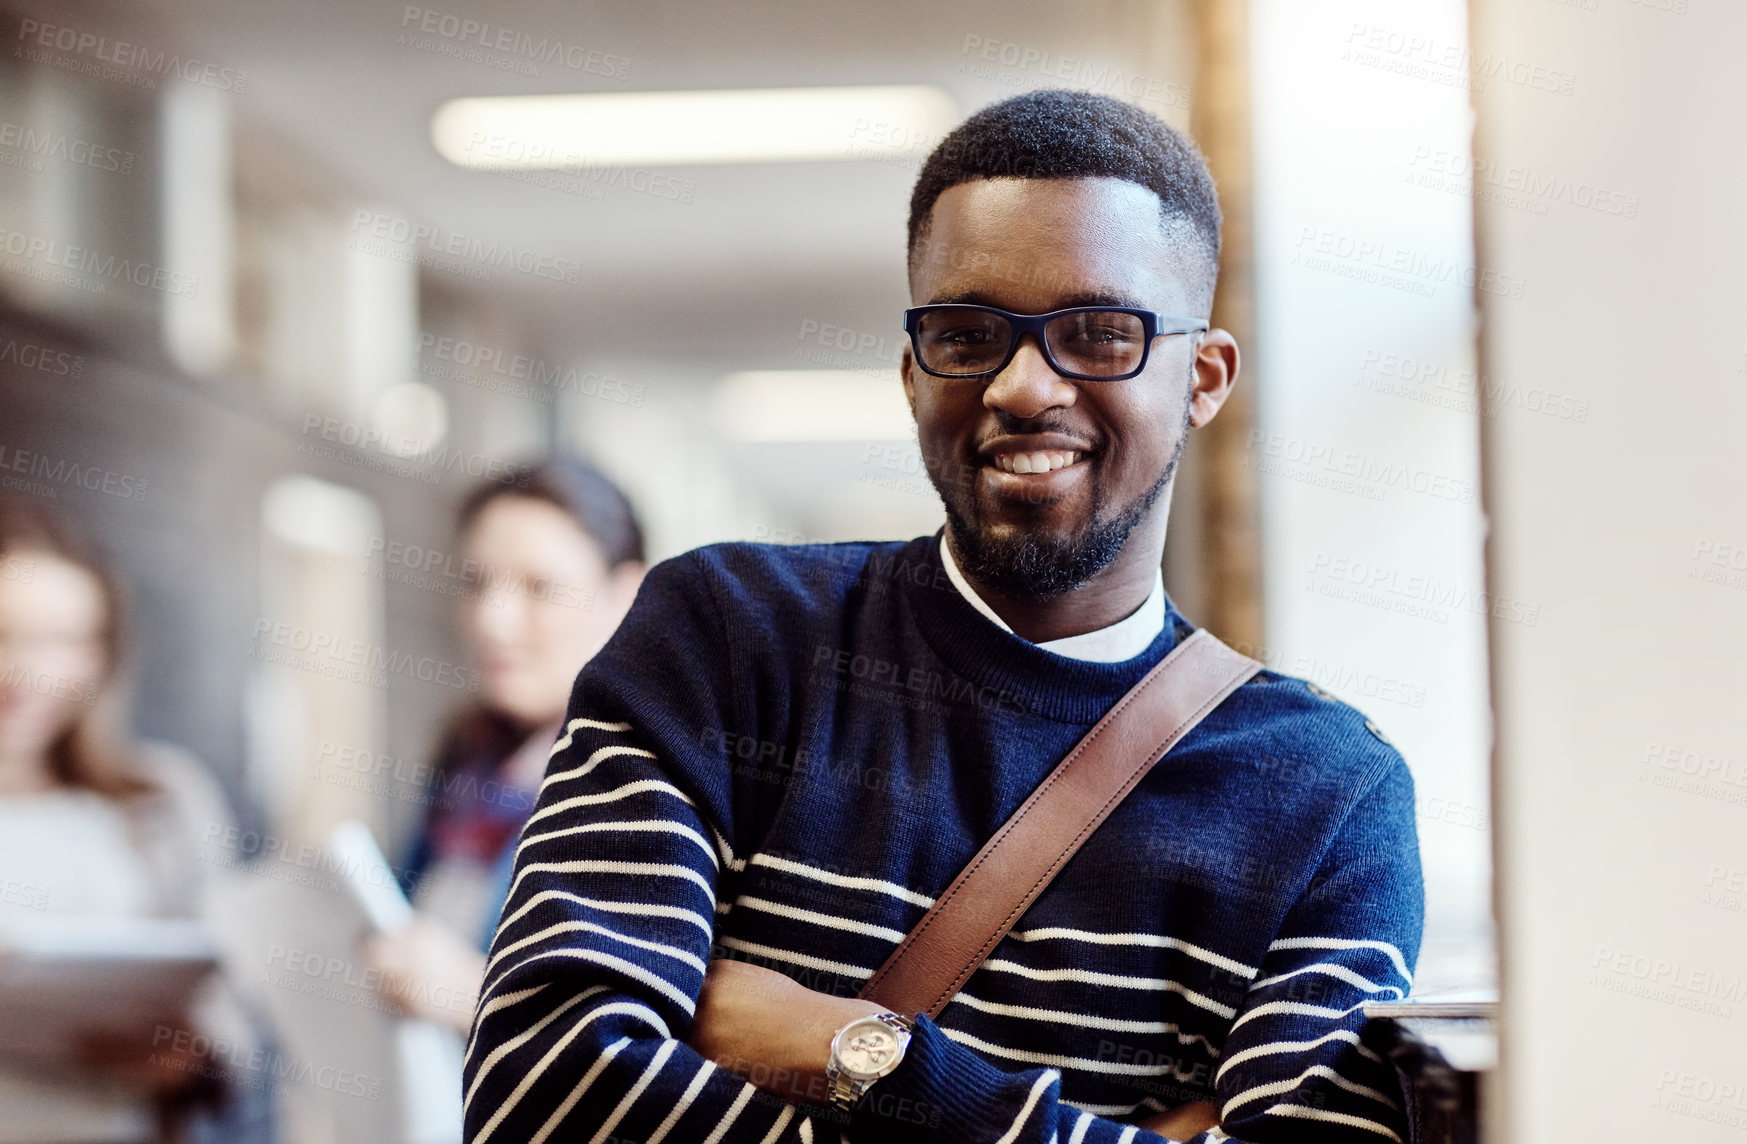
(862, 1052)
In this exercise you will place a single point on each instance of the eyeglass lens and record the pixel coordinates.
(1097, 343)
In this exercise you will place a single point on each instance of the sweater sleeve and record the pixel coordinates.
(600, 954)
(1294, 1067)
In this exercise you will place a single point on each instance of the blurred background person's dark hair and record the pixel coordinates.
(60, 698)
(554, 555)
(95, 825)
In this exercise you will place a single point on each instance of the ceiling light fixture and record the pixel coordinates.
(561, 132)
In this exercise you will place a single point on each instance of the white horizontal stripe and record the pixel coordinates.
(731, 1115)
(492, 1006)
(1275, 1088)
(1304, 1112)
(524, 1037)
(1054, 1060)
(1156, 941)
(793, 958)
(607, 866)
(1273, 1047)
(1103, 1109)
(1127, 1134)
(690, 959)
(613, 795)
(646, 825)
(877, 885)
(600, 756)
(1001, 965)
(1294, 1009)
(642, 909)
(605, 1131)
(1083, 1122)
(1393, 954)
(533, 1074)
(1331, 970)
(685, 1101)
(1081, 1020)
(818, 919)
(582, 1086)
(776, 1130)
(806, 1132)
(630, 969)
(576, 725)
(1037, 1087)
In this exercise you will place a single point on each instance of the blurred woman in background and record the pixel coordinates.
(556, 555)
(94, 827)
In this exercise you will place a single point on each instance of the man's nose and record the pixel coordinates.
(1028, 386)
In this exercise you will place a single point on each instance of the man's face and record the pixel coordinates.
(1031, 246)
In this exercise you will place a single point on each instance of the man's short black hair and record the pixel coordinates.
(1063, 134)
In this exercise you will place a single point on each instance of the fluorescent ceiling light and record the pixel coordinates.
(552, 132)
(812, 405)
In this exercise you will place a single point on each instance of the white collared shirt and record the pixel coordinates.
(1124, 639)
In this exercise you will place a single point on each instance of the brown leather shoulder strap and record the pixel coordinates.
(989, 895)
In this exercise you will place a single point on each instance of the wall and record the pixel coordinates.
(1611, 181)
(1366, 446)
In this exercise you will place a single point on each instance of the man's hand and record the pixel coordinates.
(774, 1033)
(770, 1031)
(1183, 1121)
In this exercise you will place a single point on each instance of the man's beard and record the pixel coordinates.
(1044, 567)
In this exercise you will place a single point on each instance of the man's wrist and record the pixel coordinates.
(793, 1065)
(864, 1052)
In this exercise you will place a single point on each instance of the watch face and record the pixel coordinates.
(867, 1048)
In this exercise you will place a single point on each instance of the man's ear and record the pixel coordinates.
(1216, 366)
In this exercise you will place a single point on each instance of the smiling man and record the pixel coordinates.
(787, 753)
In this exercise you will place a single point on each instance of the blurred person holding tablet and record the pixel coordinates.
(99, 837)
(555, 556)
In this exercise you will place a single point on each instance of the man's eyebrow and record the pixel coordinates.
(1096, 298)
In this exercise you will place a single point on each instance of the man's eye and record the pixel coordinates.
(965, 336)
(1102, 335)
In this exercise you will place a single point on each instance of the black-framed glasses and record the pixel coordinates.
(1087, 343)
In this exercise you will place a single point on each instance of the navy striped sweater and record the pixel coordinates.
(782, 756)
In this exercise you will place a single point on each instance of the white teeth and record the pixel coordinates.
(1042, 462)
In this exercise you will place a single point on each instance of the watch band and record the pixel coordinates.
(846, 1090)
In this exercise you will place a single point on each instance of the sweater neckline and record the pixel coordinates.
(1014, 672)
(1133, 632)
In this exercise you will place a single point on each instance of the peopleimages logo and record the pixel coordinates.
(465, 38)
(127, 59)
(402, 240)
(1411, 594)
(57, 363)
(62, 472)
(404, 453)
(474, 363)
(59, 256)
(28, 147)
(463, 576)
(1384, 263)
(324, 653)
